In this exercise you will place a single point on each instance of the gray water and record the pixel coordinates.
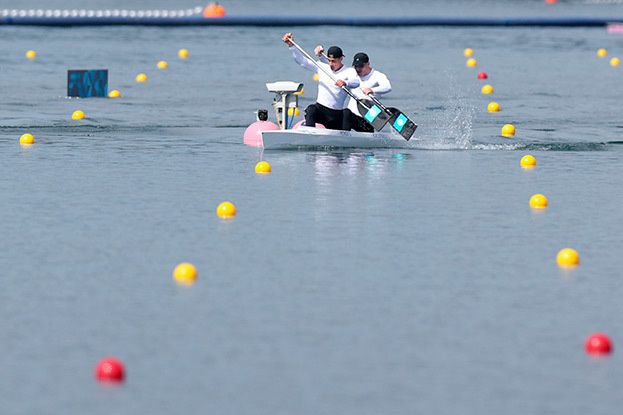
(410, 281)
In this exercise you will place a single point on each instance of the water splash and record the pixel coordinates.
(452, 126)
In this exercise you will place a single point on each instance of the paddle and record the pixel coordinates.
(397, 118)
(371, 113)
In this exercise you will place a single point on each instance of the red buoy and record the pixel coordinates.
(109, 369)
(598, 343)
(482, 75)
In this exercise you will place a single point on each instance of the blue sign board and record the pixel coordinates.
(87, 83)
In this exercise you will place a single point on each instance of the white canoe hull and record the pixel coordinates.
(322, 137)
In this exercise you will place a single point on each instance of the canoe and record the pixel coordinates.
(310, 137)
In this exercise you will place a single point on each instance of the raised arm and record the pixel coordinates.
(319, 51)
(297, 55)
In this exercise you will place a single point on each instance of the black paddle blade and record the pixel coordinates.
(401, 123)
(374, 115)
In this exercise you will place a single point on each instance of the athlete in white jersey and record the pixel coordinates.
(329, 108)
(372, 82)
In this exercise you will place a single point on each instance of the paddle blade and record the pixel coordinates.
(401, 123)
(374, 115)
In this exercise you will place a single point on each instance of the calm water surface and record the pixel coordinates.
(350, 281)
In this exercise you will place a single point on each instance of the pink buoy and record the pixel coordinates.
(253, 133)
(482, 75)
(298, 124)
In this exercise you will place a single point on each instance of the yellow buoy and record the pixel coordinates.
(528, 161)
(114, 94)
(182, 53)
(185, 273)
(568, 258)
(31, 54)
(141, 77)
(614, 62)
(538, 201)
(471, 62)
(487, 89)
(508, 130)
(294, 111)
(162, 64)
(27, 139)
(77, 115)
(493, 107)
(468, 52)
(263, 167)
(601, 53)
(226, 210)
(315, 77)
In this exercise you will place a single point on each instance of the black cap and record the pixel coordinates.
(360, 59)
(335, 52)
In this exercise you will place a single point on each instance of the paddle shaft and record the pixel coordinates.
(377, 102)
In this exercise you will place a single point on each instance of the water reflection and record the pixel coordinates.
(365, 164)
(346, 181)
(335, 164)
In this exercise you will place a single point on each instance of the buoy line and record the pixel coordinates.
(200, 16)
(100, 13)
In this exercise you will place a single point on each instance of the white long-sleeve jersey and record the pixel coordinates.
(329, 94)
(376, 81)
